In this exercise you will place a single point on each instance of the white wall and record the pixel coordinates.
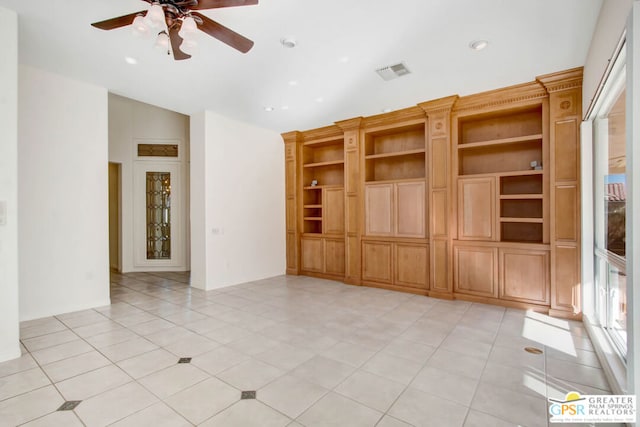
(62, 176)
(9, 344)
(611, 24)
(199, 202)
(242, 190)
(130, 123)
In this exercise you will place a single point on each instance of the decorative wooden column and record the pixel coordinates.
(565, 116)
(291, 142)
(351, 129)
(439, 192)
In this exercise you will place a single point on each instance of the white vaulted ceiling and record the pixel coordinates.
(339, 45)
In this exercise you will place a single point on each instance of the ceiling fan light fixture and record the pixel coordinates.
(189, 46)
(162, 41)
(155, 16)
(140, 28)
(188, 29)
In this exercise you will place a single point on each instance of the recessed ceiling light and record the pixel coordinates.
(386, 110)
(319, 99)
(293, 83)
(285, 107)
(478, 44)
(288, 42)
(344, 59)
(130, 60)
(268, 108)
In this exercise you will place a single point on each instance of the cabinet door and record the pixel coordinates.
(376, 261)
(524, 275)
(475, 270)
(334, 256)
(333, 211)
(476, 208)
(409, 215)
(411, 265)
(378, 209)
(312, 254)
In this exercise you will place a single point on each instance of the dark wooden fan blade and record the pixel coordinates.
(176, 41)
(120, 21)
(215, 4)
(224, 34)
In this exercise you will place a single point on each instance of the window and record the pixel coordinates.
(610, 201)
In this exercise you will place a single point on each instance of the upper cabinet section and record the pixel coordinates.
(395, 154)
(508, 141)
(323, 162)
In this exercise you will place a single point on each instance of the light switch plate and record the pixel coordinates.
(3, 212)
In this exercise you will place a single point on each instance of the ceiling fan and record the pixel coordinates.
(182, 20)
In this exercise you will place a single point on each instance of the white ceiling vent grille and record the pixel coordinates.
(393, 71)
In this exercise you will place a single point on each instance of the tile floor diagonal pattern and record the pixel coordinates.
(317, 353)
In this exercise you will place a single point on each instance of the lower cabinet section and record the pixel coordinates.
(475, 270)
(400, 264)
(524, 275)
(324, 255)
(511, 273)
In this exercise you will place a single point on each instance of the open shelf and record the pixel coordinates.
(521, 197)
(324, 142)
(521, 220)
(529, 183)
(312, 206)
(501, 125)
(499, 158)
(504, 141)
(312, 227)
(522, 232)
(320, 164)
(313, 218)
(521, 208)
(410, 166)
(395, 153)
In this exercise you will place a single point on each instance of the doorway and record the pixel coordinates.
(114, 216)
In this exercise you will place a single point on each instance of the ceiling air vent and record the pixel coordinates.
(393, 71)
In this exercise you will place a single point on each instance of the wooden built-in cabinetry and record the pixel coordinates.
(473, 197)
(394, 240)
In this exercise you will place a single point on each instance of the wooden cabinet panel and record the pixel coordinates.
(566, 150)
(353, 257)
(476, 209)
(334, 256)
(352, 171)
(566, 295)
(378, 209)
(439, 214)
(291, 215)
(475, 270)
(440, 172)
(440, 266)
(524, 275)
(291, 251)
(290, 176)
(312, 254)
(376, 261)
(410, 209)
(566, 214)
(411, 265)
(333, 211)
(353, 223)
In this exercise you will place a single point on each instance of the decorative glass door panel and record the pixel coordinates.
(158, 227)
(158, 215)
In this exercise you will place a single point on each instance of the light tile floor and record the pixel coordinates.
(318, 353)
